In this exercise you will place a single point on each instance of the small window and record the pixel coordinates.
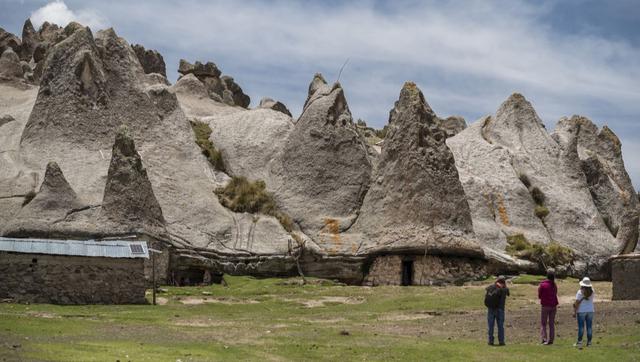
(136, 249)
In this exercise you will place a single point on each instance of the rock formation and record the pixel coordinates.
(52, 204)
(221, 89)
(128, 194)
(30, 39)
(275, 105)
(8, 40)
(431, 210)
(510, 167)
(324, 168)
(151, 60)
(600, 156)
(440, 195)
(10, 67)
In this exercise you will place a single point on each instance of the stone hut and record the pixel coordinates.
(624, 274)
(73, 271)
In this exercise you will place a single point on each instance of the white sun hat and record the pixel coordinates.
(586, 282)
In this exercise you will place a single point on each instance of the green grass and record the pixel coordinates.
(278, 319)
(242, 195)
(202, 132)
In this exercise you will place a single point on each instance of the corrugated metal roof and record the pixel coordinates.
(106, 248)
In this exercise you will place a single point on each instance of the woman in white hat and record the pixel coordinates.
(583, 310)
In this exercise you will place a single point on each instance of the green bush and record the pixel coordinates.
(242, 195)
(541, 211)
(538, 196)
(550, 255)
(382, 133)
(202, 132)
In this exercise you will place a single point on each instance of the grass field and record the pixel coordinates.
(279, 319)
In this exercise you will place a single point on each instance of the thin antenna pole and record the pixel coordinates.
(341, 68)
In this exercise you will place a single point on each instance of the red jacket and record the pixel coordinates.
(548, 293)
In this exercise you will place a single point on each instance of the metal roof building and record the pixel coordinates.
(90, 248)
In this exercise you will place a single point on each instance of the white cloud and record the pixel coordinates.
(57, 12)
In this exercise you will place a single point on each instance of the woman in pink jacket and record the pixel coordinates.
(548, 295)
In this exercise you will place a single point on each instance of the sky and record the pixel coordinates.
(566, 56)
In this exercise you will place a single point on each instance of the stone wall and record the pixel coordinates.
(162, 261)
(426, 270)
(625, 270)
(36, 278)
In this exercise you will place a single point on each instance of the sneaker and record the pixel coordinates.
(502, 344)
(546, 343)
(491, 344)
(589, 344)
(543, 342)
(578, 344)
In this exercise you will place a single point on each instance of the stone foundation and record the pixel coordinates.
(36, 278)
(424, 270)
(625, 270)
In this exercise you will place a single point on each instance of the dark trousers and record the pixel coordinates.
(548, 315)
(495, 315)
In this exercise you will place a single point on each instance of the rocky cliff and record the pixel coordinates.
(440, 190)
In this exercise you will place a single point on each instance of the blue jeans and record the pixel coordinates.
(585, 318)
(496, 315)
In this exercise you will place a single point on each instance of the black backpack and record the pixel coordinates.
(492, 298)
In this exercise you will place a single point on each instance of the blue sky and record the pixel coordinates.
(567, 57)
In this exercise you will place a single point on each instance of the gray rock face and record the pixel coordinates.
(128, 194)
(275, 105)
(8, 40)
(221, 89)
(10, 67)
(430, 211)
(151, 60)
(501, 158)
(30, 39)
(452, 125)
(52, 204)
(324, 168)
(600, 156)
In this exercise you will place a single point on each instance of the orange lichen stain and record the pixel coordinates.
(332, 227)
(502, 211)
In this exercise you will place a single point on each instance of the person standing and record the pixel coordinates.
(583, 310)
(495, 299)
(548, 295)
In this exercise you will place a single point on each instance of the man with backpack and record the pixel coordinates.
(494, 300)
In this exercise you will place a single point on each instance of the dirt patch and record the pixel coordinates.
(202, 323)
(197, 300)
(314, 303)
(44, 315)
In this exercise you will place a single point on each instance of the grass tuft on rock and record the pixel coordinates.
(242, 195)
(202, 132)
(550, 255)
(541, 211)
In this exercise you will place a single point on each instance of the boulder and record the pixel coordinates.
(239, 98)
(128, 195)
(324, 168)
(10, 66)
(416, 201)
(274, 105)
(151, 60)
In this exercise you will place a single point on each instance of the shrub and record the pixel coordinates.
(382, 133)
(242, 195)
(538, 196)
(525, 180)
(541, 211)
(550, 255)
(202, 132)
(28, 197)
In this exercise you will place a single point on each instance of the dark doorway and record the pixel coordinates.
(407, 272)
